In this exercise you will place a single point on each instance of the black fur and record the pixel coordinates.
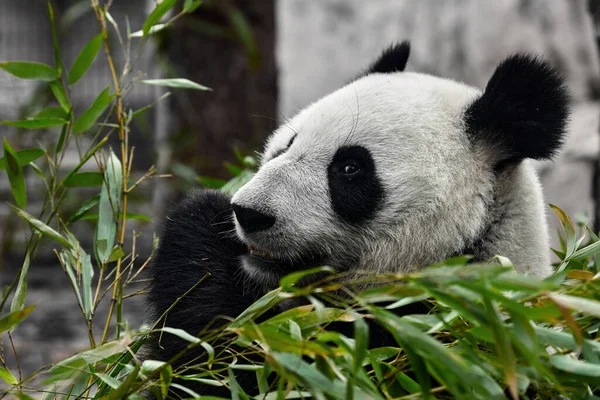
(196, 240)
(393, 59)
(523, 111)
(354, 197)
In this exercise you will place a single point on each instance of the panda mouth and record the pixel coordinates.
(267, 261)
(263, 254)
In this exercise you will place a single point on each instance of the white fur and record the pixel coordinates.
(438, 187)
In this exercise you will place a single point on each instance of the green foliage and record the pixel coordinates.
(85, 58)
(30, 70)
(175, 83)
(490, 334)
(15, 175)
(95, 110)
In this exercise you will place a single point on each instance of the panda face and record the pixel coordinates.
(399, 170)
(340, 182)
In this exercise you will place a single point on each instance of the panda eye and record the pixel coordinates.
(350, 168)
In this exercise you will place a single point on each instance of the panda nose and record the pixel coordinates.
(252, 220)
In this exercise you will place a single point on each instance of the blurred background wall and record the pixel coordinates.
(264, 60)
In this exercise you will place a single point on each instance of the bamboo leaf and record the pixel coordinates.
(87, 273)
(154, 29)
(8, 377)
(191, 5)
(51, 112)
(85, 58)
(55, 44)
(175, 83)
(18, 300)
(73, 365)
(288, 281)
(84, 179)
(61, 96)
(180, 333)
(110, 199)
(579, 304)
(159, 11)
(91, 115)
(16, 178)
(24, 157)
(568, 228)
(84, 208)
(13, 319)
(30, 70)
(109, 380)
(36, 123)
(122, 390)
(43, 228)
(569, 364)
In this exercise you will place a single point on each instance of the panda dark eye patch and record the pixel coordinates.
(355, 189)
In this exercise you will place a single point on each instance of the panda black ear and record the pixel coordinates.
(523, 111)
(393, 59)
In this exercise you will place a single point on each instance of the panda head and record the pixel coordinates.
(396, 169)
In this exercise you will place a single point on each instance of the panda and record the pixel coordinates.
(394, 171)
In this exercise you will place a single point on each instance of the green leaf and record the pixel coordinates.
(36, 123)
(288, 281)
(24, 157)
(191, 5)
(361, 342)
(16, 178)
(87, 273)
(109, 380)
(14, 318)
(74, 365)
(110, 200)
(569, 364)
(180, 333)
(61, 96)
(579, 304)
(85, 58)
(43, 228)
(175, 83)
(8, 377)
(30, 70)
(61, 140)
(18, 300)
(154, 29)
(52, 112)
(84, 208)
(84, 179)
(586, 252)
(130, 216)
(116, 253)
(122, 390)
(159, 11)
(166, 376)
(568, 228)
(91, 115)
(54, 39)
